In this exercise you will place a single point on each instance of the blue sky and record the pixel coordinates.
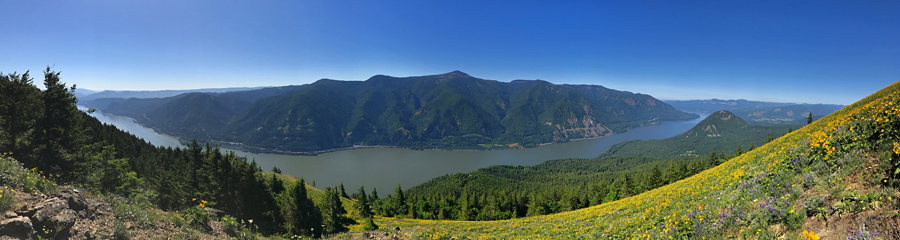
(796, 51)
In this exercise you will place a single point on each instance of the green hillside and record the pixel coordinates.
(439, 111)
(835, 178)
(721, 131)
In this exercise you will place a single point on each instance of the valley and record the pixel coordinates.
(385, 168)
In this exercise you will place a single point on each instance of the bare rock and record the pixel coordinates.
(18, 227)
(73, 198)
(53, 213)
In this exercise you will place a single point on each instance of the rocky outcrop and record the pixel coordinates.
(53, 215)
(17, 227)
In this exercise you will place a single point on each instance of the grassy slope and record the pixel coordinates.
(313, 192)
(692, 203)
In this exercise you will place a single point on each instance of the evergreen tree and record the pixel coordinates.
(536, 206)
(333, 211)
(59, 128)
(343, 192)
(362, 204)
(809, 118)
(20, 107)
(399, 201)
(739, 151)
(303, 216)
(654, 178)
(277, 184)
(375, 194)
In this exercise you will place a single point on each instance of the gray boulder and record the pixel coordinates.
(52, 214)
(17, 227)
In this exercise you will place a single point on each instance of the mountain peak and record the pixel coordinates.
(456, 74)
(716, 124)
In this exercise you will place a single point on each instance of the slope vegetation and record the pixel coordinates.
(840, 170)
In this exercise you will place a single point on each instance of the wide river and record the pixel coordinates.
(385, 168)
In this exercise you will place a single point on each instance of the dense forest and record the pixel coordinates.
(449, 110)
(45, 131)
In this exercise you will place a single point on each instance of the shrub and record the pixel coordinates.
(121, 233)
(815, 205)
(7, 202)
(196, 215)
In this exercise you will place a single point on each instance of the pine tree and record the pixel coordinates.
(653, 179)
(59, 128)
(304, 218)
(627, 188)
(334, 217)
(809, 118)
(362, 204)
(343, 192)
(20, 107)
(399, 201)
(374, 194)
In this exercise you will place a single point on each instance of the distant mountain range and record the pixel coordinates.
(85, 95)
(444, 111)
(756, 112)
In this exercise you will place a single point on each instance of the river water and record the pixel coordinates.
(385, 168)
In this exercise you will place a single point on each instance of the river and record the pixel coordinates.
(385, 168)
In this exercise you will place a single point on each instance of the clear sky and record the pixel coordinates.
(796, 51)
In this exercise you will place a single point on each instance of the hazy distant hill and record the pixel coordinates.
(713, 105)
(758, 113)
(792, 114)
(447, 110)
(90, 95)
(721, 131)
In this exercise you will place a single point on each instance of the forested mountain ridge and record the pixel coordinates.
(446, 110)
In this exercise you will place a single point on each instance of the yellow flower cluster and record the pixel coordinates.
(810, 235)
(897, 148)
